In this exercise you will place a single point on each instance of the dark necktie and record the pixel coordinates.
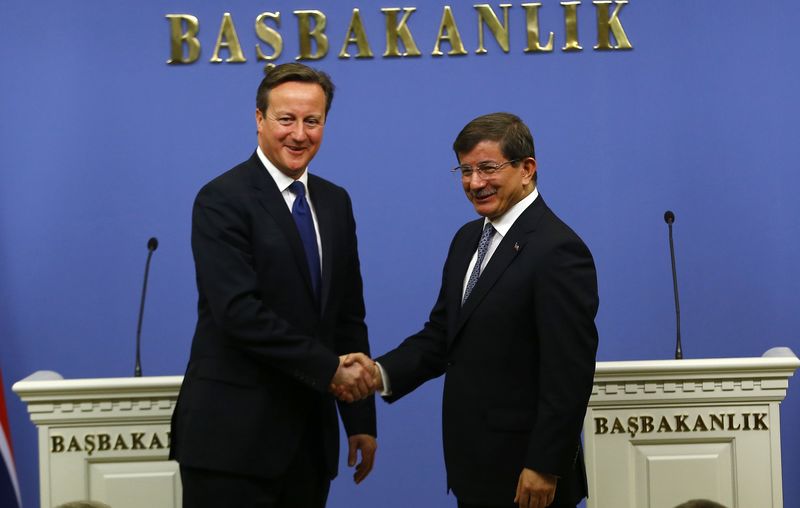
(483, 246)
(305, 226)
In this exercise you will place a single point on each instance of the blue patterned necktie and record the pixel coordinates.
(305, 226)
(483, 246)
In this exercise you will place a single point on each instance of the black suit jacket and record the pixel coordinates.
(518, 357)
(264, 351)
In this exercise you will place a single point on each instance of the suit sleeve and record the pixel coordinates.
(566, 302)
(422, 356)
(351, 333)
(227, 280)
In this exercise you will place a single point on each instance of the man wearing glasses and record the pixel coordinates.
(512, 330)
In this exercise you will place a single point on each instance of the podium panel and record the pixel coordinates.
(659, 433)
(702, 470)
(656, 433)
(104, 440)
(127, 484)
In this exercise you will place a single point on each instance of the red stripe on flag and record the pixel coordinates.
(4, 416)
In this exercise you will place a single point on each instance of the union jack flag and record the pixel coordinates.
(9, 487)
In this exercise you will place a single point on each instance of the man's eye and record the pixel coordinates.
(487, 168)
(285, 120)
(312, 122)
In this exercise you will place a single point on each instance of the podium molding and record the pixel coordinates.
(656, 433)
(659, 433)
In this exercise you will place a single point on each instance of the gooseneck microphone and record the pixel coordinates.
(152, 245)
(669, 218)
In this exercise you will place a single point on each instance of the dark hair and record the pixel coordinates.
(293, 72)
(516, 141)
(700, 503)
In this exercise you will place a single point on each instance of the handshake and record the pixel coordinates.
(357, 377)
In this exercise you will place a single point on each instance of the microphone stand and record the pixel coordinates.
(669, 218)
(152, 245)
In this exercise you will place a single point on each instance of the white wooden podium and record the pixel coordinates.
(656, 433)
(104, 439)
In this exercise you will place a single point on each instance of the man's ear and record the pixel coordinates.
(528, 169)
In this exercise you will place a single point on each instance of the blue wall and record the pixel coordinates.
(102, 145)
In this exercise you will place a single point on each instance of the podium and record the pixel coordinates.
(656, 433)
(104, 439)
(659, 433)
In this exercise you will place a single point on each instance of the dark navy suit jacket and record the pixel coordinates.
(264, 350)
(518, 359)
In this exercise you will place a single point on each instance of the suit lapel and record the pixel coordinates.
(463, 251)
(271, 199)
(325, 214)
(508, 249)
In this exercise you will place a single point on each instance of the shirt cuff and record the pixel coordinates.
(387, 388)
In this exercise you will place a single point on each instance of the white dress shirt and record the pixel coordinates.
(501, 225)
(283, 182)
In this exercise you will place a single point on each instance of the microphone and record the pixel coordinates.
(152, 245)
(669, 218)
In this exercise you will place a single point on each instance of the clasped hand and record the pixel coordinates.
(356, 378)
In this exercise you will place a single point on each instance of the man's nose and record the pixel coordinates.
(475, 181)
(299, 131)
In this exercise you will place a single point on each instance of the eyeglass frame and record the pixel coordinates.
(483, 174)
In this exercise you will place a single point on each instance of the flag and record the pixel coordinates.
(9, 487)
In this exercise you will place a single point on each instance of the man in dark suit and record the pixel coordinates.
(512, 330)
(280, 307)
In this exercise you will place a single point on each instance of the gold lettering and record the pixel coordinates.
(307, 33)
(633, 426)
(358, 36)
(228, 39)
(486, 16)
(612, 24)
(600, 425)
(532, 27)
(136, 441)
(400, 30)
(639, 424)
(178, 38)
(73, 445)
(758, 421)
(453, 37)
(269, 35)
(88, 443)
(571, 24)
(680, 423)
(56, 444)
(155, 443)
(120, 444)
(699, 425)
(105, 442)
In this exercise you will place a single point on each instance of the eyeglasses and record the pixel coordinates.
(484, 169)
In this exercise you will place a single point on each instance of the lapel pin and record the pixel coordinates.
(516, 247)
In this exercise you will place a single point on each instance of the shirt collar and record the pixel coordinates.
(281, 180)
(503, 223)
